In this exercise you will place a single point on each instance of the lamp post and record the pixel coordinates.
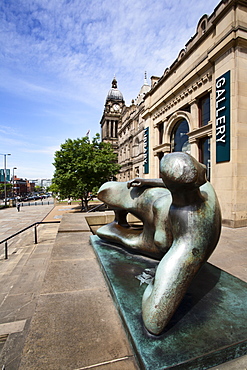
(5, 188)
(13, 177)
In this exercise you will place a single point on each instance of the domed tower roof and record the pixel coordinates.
(114, 93)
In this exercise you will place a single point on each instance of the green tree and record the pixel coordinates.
(38, 189)
(81, 167)
(8, 189)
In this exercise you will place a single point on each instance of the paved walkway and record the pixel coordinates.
(56, 311)
(12, 221)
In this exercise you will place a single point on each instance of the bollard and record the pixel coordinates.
(6, 250)
(35, 234)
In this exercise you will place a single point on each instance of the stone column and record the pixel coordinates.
(156, 135)
(194, 124)
(194, 151)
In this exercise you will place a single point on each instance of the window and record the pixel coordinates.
(161, 132)
(179, 137)
(136, 147)
(203, 26)
(204, 154)
(160, 156)
(107, 128)
(204, 110)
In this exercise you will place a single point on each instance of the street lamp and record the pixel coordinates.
(13, 177)
(5, 189)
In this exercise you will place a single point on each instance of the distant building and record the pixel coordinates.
(131, 135)
(44, 183)
(22, 186)
(112, 115)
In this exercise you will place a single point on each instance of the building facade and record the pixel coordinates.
(199, 105)
(131, 133)
(22, 187)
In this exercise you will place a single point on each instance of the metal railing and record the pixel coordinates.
(98, 207)
(37, 203)
(21, 231)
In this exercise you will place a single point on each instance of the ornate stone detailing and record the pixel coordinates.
(186, 92)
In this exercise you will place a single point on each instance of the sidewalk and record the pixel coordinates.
(56, 311)
(12, 221)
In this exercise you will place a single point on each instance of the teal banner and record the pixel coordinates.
(2, 175)
(146, 150)
(222, 123)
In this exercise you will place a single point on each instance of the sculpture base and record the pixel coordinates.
(208, 328)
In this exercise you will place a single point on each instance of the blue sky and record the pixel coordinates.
(58, 58)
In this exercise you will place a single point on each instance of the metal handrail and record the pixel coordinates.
(21, 231)
(96, 207)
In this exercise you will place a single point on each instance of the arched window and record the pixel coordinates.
(179, 137)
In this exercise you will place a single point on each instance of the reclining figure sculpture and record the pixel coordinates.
(181, 227)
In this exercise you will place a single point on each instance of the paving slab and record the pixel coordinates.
(231, 253)
(75, 324)
(69, 248)
(77, 307)
(74, 222)
(72, 330)
(20, 283)
(72, 274)
(12, 327)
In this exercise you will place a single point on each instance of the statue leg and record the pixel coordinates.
(173, 276)
(196, 232)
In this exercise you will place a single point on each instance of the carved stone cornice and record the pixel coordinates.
(200, 132)
(166, 148)
(186, 92)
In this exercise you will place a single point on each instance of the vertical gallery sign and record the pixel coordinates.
(222, 124)
(146, 150)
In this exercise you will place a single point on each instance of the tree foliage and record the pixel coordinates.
(8, 189)
(81, 167)
(38, 188)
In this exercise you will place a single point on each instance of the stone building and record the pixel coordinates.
(112, 115)
(131, 137)
(199, 105)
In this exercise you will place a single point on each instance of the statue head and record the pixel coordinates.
(181, 170)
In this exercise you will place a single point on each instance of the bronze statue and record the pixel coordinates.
(181, 227)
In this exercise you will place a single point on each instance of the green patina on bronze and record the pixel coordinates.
(208, 327)
(181, 227)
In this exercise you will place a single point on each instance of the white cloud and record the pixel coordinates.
(58, 59)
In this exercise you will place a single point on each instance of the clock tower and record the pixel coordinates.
(111, 116)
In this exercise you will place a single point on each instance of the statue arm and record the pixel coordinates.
(139, 182)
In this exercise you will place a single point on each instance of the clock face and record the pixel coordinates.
(116, 107)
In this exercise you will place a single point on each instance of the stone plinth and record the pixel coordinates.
(209, 327)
